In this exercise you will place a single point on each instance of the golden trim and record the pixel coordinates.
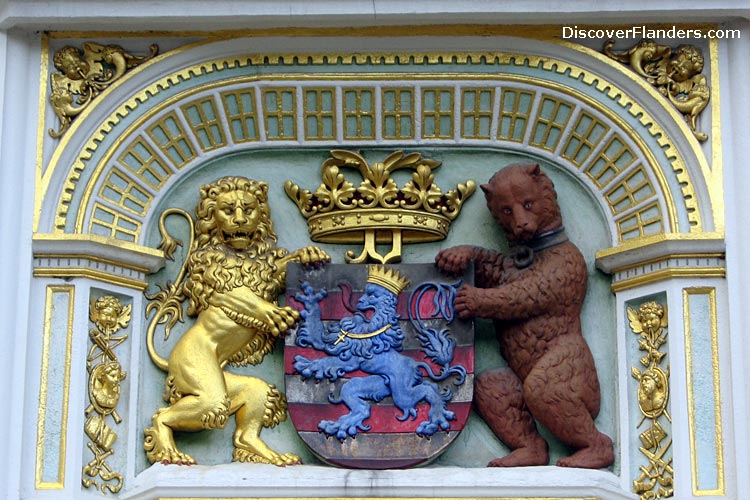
(40, 484)
(655, 239)
(715, 177)
(654, 167)
(92, 258)
(85, 272)
(711, 292)
(670, 256)
(103, 240)
(105, 376)
(669, 150)
(40, 135)
(549, 33)
(650, 323)
(669, 273)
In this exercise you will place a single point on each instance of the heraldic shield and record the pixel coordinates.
(379, 372)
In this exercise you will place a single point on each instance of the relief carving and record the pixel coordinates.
(534, 295)
(232, 277)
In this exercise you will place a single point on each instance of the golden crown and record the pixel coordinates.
(389, 279)
(378, 211)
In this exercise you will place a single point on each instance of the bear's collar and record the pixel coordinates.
(523, 255)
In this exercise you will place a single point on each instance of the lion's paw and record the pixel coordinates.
(155, 452)
(247, 456)
(280, 319)
(312, 255)
(441, 422)
(344, 427)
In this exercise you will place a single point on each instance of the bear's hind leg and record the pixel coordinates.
(498, 398)
(562, 392)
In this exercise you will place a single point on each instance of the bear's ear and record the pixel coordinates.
(487, 190)
(534, 170)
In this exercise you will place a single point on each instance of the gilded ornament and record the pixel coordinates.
(676, 75)
(378, 211)
(84, 74)
(231, 279)
(657, 479)
(105, 376)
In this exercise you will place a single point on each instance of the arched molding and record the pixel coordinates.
(677, 162)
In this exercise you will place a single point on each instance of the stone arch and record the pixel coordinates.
(169, 124)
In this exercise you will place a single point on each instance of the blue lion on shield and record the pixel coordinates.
(373, 345)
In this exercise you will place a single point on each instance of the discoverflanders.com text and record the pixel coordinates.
(645, 32)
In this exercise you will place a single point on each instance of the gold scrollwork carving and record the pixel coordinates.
(105, 376)
(675, 74)
(378, 211)
(84, 74)
(657, 479)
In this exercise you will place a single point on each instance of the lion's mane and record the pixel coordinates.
(264, 237)
(214, 267)
(367, 348)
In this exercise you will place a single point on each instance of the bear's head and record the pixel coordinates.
(522, 199)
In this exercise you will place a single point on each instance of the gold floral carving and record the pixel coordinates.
(676, 75)
(655, 480)
(378, 211)
(105, 376)
(84, 74)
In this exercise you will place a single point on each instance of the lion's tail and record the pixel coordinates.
(167, 302)
(158, 360)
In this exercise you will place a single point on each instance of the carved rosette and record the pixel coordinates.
(83, 74)
(656, 479)
(676, 74)
(105, 375)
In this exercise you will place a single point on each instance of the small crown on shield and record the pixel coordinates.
(378, 211)
(387, 278)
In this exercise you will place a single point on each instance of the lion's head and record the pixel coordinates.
(359, 336)
(235, 242)
(522, 199)
(233, 211)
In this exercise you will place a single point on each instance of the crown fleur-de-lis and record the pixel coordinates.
(378, 211)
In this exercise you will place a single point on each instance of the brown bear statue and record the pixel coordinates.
(534, 297)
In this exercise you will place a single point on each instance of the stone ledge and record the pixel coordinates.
(266, 481)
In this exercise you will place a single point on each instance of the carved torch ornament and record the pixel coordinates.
(676, 75)
(378, 211)
(105, 376)
(656, 479)
(84, 74)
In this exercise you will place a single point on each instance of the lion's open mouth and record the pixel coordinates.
(237, 239)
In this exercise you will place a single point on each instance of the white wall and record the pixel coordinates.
(19, 56)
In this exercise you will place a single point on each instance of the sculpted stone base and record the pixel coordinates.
(265, 481)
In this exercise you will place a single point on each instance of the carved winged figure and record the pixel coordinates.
(232, 277)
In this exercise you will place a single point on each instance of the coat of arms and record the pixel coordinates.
(379, 373)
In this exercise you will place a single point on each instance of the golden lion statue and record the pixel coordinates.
(232, 277)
